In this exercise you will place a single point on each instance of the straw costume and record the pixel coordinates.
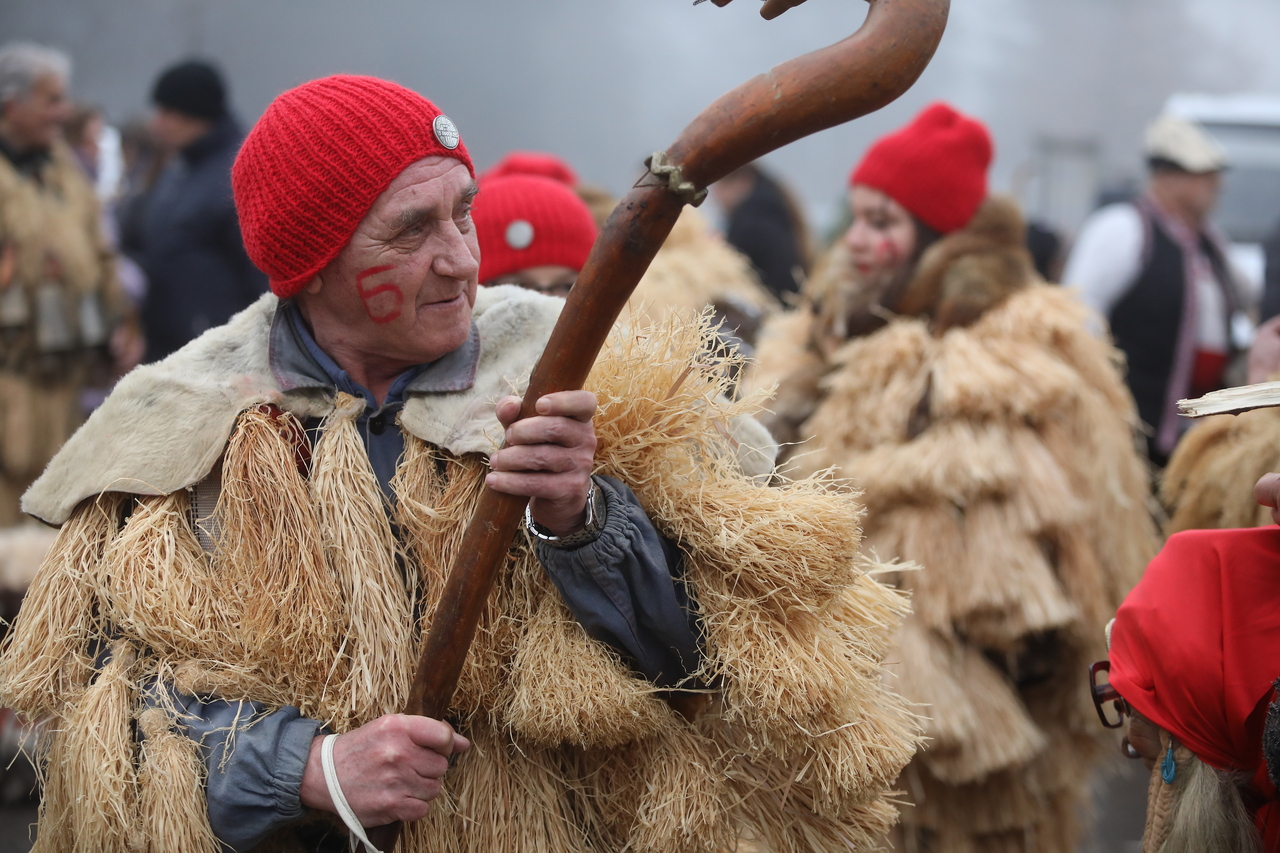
(993, 438)
(236, 558)
(58, 299)
(1209, 480)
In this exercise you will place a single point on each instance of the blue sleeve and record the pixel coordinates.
(626, 590)
(255, 762)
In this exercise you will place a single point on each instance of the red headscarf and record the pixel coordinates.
(1196, 646)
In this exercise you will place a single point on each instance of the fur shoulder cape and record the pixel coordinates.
(166, 424)
(306, 595)
(993, 439)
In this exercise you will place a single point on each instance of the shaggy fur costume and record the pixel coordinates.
(52, 261)
(993, 438)
(301, 599)
(1209, 480)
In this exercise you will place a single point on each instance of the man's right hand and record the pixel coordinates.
(389, 769)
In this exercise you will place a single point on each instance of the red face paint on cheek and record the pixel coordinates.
(382, 302)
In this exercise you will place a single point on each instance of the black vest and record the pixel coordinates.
(1147, 322)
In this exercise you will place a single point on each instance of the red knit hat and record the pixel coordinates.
(525, 221)
(935, 167)
(316, 161)
(533, 163)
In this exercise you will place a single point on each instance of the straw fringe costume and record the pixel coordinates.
(993, 438)
(298, 590)
(58, 299)
(1209, 480)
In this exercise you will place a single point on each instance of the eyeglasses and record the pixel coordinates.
(1103, 693)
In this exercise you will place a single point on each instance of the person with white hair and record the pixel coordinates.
(1159, 273)
(59, 296)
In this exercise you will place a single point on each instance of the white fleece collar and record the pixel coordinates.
(165, 425)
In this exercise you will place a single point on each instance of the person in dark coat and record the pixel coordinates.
(765, 224)
(195, 261)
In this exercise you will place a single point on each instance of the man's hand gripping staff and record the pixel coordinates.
(860, 74)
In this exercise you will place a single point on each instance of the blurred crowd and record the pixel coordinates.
(1003, 425)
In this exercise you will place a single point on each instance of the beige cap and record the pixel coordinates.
(1185, 144)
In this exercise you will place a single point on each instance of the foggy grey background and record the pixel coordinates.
(1063, 85)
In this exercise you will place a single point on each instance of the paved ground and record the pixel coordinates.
(1119, 800)
(1120, 803)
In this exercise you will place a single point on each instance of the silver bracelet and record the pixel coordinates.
(590, 530)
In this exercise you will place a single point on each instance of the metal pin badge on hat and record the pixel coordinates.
(446, 131)
(519, 234)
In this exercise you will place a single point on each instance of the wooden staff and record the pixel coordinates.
(858, 75)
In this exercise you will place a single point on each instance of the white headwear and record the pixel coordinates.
(1185, 144)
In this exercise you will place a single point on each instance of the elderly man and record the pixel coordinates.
(58, 291)
(254, 533)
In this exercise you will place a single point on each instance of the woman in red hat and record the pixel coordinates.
(993, 437)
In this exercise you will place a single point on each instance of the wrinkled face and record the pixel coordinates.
(403, 288)
(36, 121)
(882, 239)
(550, 280)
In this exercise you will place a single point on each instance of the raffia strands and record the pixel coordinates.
(780, 816)
(501, 798)
(979, 378)
(172, 810)
(101, 776)
(658, 794)
(1210, 477)
(976, 723)
(55, 794)
(1011, 591)
(681, 809)
(602, 705)
(1007, 806)
(871, 404)
(270, 557)
(158, 586)
(766, 561)
(44, 669)
(956, 462)
(361, 552)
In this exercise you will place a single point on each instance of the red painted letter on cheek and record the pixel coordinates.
(382, 302)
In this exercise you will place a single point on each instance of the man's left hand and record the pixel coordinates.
(549, 458)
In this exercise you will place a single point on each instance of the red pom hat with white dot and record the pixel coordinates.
(525, 221)
(316, 161)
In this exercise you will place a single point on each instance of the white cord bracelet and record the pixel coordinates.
(340, 799)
